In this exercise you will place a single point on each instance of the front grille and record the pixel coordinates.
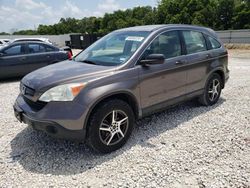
(29, 91)
(25, 90)
(36, 106)
(28, 94)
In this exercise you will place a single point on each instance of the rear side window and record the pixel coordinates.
(214, 43)
(167, 44)
(36, 48)
(15, 50)
(195, 41)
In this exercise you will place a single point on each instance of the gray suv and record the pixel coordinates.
(124, 76)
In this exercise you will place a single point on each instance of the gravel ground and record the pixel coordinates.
(185, 146)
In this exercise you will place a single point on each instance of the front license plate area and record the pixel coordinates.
(18, 114)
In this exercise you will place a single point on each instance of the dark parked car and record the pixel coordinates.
(126, 75)
(20, 58)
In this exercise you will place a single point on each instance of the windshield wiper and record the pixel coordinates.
(88, 62)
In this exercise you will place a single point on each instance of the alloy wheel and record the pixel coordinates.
(214, 90)
(114, 127)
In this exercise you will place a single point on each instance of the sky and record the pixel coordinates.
(28, 14)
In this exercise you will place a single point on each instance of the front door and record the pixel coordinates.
(12, 61)
(162, 82)
(37, 57)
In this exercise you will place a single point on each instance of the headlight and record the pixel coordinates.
(65, 92)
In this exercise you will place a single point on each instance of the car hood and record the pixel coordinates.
(64, 72)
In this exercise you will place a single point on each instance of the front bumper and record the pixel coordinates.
(54, 123)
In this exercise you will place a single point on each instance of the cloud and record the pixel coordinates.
(108, 6)
(26, 14)
(29, 4)
(71, 10)
(12, 18)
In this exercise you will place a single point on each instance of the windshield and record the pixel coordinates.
(113, 49)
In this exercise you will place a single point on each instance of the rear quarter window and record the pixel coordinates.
(213, 42)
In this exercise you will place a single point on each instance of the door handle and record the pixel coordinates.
(22, 58)
(208, 56)
(181, 62)
(48, 56)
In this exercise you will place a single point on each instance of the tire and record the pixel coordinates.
(211, 93)
(105, 137)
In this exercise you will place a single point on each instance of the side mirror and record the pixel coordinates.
(153, 59)
(1, 54)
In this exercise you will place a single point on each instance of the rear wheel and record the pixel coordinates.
(110, 126)
(212, 90)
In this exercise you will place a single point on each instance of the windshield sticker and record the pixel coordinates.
(134, 38)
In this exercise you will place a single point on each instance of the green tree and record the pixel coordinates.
(4, 33)
(241, 19)
(217, 14)
(225, 12)
(199, 12)
(25, 32)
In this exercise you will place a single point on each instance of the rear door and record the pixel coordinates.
(55, 55)
(36, 56)
(197, 59)
(51, 54)
(160, 83)
(12, 61)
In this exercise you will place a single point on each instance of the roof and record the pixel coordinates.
(42, 39)
(143, 28)
(27, 42)
(151, 28)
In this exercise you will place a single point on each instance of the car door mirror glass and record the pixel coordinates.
(153, 59)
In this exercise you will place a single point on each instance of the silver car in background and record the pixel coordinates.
(4, 42)
(46, 40)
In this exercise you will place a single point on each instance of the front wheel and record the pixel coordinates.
(110, 126)
(212, 90)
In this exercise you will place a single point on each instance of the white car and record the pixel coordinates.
(3, 42)
(33, 39)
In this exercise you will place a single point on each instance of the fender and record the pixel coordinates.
(115, 93)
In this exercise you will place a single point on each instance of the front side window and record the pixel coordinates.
(36, 48)
(15, 50)
(167, 44)
(214, 43)
(195, 42)
(113, 49)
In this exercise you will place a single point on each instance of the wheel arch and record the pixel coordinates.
(220, 72)
(222, 75)
(122, 95)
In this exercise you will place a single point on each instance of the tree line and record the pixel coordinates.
(216, 14)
